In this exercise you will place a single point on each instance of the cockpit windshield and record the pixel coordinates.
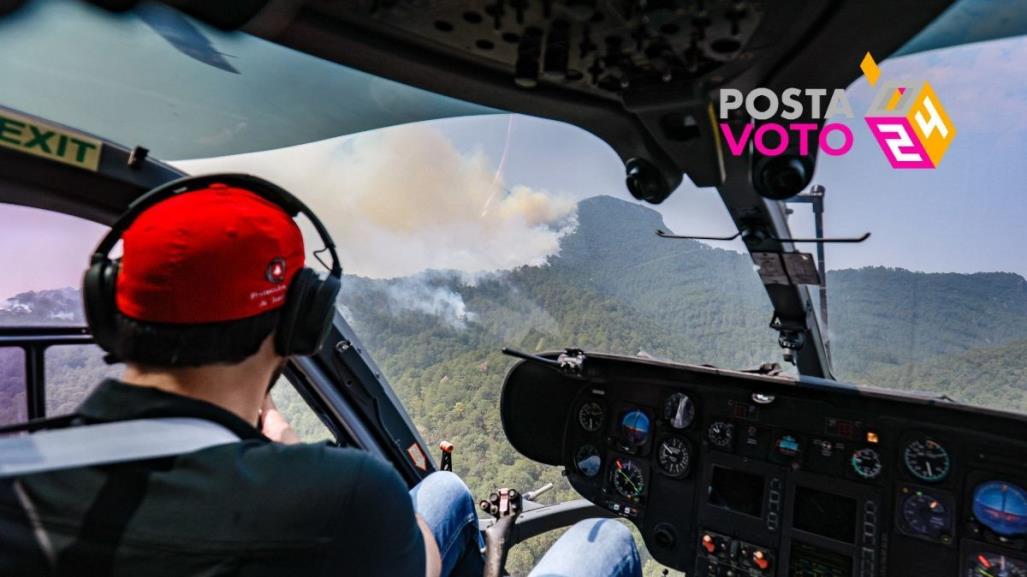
(464, 235)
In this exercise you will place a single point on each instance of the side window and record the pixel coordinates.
(13, 405)
(303, 419)
(44, 255)
(72, 371)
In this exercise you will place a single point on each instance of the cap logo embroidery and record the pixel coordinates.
(275, 270)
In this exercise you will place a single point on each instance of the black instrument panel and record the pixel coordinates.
(729, 473)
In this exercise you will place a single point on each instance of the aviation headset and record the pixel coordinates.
(309, 307)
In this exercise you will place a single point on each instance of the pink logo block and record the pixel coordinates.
(899, 142)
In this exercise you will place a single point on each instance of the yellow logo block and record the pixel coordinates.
(931, 123)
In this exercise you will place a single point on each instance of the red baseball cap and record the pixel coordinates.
(216, 254)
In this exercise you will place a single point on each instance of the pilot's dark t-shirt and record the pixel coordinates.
(250, 508)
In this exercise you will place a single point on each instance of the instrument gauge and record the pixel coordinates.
(674, 456)
(591, 416)
(627, 478)
(587, 460)
(926, 515)
(1001, 507)
(634, 428)
(866, 462)
(721, 434)
(679, 411)
(927, 460)
(995, 565)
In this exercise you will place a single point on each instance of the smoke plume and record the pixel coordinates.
(402, 200)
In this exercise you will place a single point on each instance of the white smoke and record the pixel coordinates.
(428, 293)
(402, 200)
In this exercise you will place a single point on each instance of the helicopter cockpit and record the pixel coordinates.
(561, 224)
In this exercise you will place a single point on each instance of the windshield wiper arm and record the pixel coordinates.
(761, 235)
(570, 362)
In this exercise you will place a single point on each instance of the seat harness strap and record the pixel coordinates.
(107, 443)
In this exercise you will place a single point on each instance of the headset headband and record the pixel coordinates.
(262, 188)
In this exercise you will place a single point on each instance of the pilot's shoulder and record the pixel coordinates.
(319, 464)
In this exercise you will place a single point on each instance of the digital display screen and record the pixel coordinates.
(737, 491)
(832, 516)
(809, 561)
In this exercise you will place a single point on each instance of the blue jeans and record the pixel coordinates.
(591, 548)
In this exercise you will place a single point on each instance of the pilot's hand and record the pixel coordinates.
(274, 425)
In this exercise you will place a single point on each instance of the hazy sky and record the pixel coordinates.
(966, 216)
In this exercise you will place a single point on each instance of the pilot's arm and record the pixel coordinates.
(379, 533)
(378, 509)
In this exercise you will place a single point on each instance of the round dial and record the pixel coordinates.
(927, 460)
(679, 410)
(634, 428)
(674, 456)
(721, 434)
(925, 515)
(587, 460)
(866, 463)
(995, 565)
(627, 478)
(1002, 507)
(590, 416)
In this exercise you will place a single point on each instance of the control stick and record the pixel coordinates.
(505, 505)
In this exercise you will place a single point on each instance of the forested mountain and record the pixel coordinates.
(617, 287)
(994, 377)
(883, 317)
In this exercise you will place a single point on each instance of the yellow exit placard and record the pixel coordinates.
(31, 136)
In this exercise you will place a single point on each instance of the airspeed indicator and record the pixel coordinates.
(927, 460)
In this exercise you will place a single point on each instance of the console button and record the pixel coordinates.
(760, 560)
(709, 543)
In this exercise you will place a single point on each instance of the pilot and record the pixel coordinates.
(197, 343)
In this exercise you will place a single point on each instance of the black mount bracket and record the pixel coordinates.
(790, 336)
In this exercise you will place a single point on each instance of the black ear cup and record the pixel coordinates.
(98, 287)
(307, 314)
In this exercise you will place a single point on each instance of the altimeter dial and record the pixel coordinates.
(674, 456)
